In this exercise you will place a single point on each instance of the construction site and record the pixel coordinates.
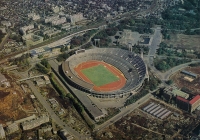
(187, 82)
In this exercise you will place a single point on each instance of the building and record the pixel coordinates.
(51, 32)
(4, 81)
(193, 75)
(51, 18)
(40, 51)
(43, 130)
(65, 135)
(31, 39)
(59, 21)
(33, 16)
(2, 132)
(188, 105)
(172, 91)
(12, 128)
(66, 26)
(182, 103)
(24, 29)
(6, 23)
(194, 103)
(40, 82)
(27, 125)
(76, 17)
(47, 80)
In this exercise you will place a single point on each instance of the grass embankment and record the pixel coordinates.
(79, 107)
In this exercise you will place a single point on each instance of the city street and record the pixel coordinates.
(52, 114)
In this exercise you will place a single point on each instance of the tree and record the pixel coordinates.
(45, 63)
(169, 82)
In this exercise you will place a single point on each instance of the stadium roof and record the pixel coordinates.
(195, 99)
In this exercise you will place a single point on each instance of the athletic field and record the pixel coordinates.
(103, 76)
(99, 75)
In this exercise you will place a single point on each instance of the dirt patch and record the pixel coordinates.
(185, 41)
(194, 86)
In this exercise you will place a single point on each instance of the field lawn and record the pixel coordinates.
(99, 75)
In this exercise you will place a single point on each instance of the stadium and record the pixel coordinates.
(105, 72)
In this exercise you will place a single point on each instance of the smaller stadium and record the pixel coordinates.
(105, 72)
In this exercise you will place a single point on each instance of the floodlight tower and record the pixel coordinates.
(97, 41)
(142, 56)
(130, 48)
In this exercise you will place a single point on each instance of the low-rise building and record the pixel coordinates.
(172, 91)
(24, 29)
(65, 135)
(59, 21)
(188, 105)
(194, 103)
(76, 17)
(6, 23)
(12, 128)
(191, 74)
(51, 18)
(4, 81)
(2, 132)
(40, 51)
(27, 125)
(31, 39)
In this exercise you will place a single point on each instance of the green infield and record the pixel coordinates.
(99, 75)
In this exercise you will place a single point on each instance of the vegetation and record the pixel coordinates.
(41, 68)
(152, 84)
(63, 49)
(45, 63)
(104, 38)
(167, 63)
(57, 86)
(99, 75)
(168, 50)
(139, 25)
(111, 112)
(169, 82)
(22, 62)
(16, 37)
(80, 40)
(62, 57)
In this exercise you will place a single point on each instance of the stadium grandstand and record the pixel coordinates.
(131, 66)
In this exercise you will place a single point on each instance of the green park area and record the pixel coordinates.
(99, 75)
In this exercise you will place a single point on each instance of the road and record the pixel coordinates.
(123, 112)
(54, 117)
(157, 37)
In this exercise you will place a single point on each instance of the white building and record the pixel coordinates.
(51, 18)
(27, 125)
(76, 17)
(59, 21)
(6, 23)
(26, 28)
(12, 128)
(2, 132)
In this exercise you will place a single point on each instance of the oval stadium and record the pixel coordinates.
(105, 72)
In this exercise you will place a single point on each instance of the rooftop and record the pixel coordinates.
(182, 94)
(182, 99)
(195, 99)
